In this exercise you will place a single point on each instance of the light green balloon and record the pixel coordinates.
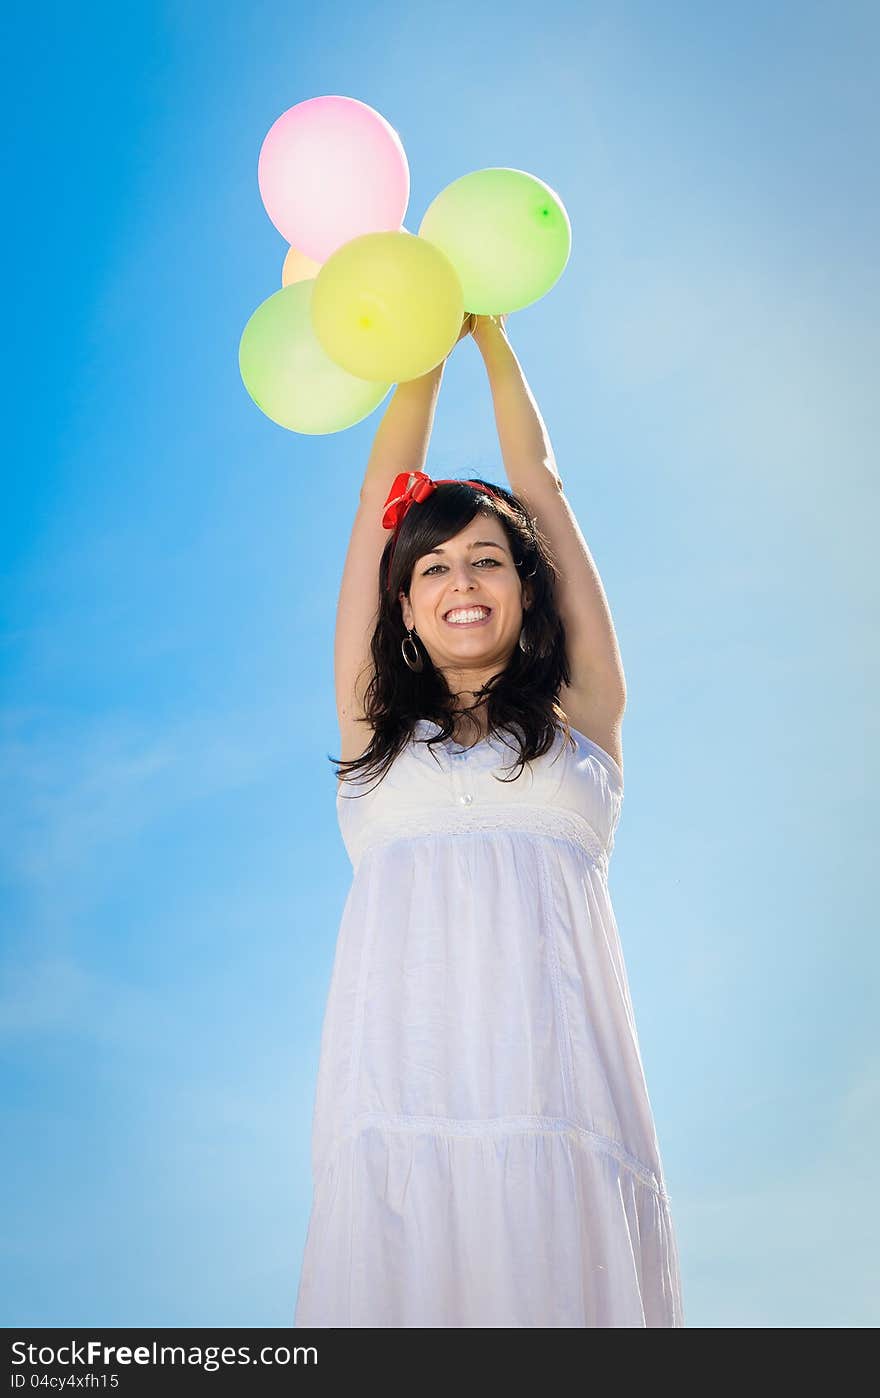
(290, 376)
(507, 235)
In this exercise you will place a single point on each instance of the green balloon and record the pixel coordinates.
(507, 235)
(289, 375)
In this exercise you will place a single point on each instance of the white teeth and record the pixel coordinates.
(471, 614)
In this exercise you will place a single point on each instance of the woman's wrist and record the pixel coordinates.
(489, 330)
(429, 381)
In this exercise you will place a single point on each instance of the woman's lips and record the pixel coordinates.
(463, 625)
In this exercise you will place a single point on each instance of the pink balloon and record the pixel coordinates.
(331, 169)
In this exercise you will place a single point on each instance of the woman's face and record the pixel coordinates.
(473, 570)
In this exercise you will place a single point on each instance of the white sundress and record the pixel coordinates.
(483, 1146)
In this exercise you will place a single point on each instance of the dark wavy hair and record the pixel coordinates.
(523, 696)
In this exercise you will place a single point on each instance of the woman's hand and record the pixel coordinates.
(467, 326)
(487, 326)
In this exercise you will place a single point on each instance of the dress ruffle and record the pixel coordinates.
(504, 1224)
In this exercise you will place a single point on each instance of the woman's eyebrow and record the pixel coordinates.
(477, 544)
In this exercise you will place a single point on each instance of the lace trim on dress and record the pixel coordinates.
(552, 821)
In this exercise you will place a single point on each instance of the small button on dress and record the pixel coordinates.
(484, 1151)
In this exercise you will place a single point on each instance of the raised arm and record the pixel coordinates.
(400, 444)
(597, 694)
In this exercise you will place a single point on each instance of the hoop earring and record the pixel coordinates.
(418, 663)
(523, 647)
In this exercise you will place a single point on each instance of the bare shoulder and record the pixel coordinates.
(598, 714)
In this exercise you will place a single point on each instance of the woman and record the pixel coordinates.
(483, 1146)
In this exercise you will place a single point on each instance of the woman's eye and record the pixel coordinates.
(496, 561)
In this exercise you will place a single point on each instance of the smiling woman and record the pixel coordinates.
(475, 584)
(458, 544)
(483, 1146)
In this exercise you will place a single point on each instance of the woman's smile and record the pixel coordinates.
(468, 616)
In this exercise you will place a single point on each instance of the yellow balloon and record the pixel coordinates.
(387, 306)
(298, 268)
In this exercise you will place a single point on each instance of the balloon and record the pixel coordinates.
(506, 233)
(288, 375)
(387, 306)
(298, 268)
(330, 169)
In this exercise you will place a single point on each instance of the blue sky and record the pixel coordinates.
(172, 873)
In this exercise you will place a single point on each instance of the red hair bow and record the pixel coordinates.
(410, 488)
